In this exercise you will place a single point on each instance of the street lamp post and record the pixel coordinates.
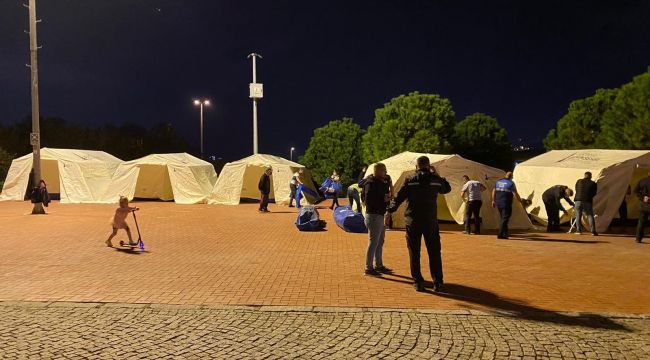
(291, 153)
(200, 104)
(255, 93)
(35, 136)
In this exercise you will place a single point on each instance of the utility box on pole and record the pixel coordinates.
(256, 90)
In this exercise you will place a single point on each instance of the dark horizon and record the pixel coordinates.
(144, 62)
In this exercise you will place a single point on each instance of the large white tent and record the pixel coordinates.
(239, 179)
(180, 177)
(79, 176)
(613, 171)
(450, 206)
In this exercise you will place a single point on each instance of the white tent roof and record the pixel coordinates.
(180, 177)
(453, 167)
(80, 176)
(613, 171)
(239, 179)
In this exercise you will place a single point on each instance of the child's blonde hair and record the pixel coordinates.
(124, 200)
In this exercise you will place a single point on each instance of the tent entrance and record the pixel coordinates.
(631, 200)
(249, 190)
(154, 183)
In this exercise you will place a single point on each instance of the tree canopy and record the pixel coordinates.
(479, 137)
(335, 146)
(580, 127)
(414, 122)
(627, 123)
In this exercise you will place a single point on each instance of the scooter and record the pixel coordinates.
(139, 243)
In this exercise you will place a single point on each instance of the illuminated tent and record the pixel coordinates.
(450, 206)
(79, 176)
(612, 170)
(239, 179)
(180, 177)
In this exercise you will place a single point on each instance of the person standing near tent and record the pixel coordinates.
(502, 195)
(264, 187)
(376, 197)
(293, 185)
(354, 196)
(586, 190)
(39, 194)
(421, 217)
(551, 198)
(472, 190)
(333, 191)
(642, 191)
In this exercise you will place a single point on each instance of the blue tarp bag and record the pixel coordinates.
(309, 219)
(327, 186)
(349, 220)
(307, 190)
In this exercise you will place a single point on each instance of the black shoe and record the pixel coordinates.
(502, 237)
(384, 270)
(467, 233)
(418, 286)
(291, 205)
(594, 234)
(372, 272)
(638, 241)
(437, 287)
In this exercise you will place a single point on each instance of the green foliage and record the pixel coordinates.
(580, 127)
(627, 124)
(414, 122)
(335, 146)
(479, 137)
(5, 163)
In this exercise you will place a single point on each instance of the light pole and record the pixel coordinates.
(256, 93)
(35, 136)
(291, 153)
(200, 104)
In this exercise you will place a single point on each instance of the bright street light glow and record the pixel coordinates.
(206, 102)
(293, 148)
(197, 102)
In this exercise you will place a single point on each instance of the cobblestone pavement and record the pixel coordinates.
(232, 255)
(125, 331)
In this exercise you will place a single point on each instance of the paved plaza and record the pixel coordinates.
(217, 281)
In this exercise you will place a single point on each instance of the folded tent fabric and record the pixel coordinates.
(309, 220)
(302, 188)
(349, 220)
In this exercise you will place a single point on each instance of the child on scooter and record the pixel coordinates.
(118, 221)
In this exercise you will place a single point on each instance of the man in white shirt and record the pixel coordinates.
(293, 185)
(472, 189)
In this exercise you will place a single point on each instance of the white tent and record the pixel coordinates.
(180, 177)
(613, 171)
(239, 179)
(450, 206)
(79, 176)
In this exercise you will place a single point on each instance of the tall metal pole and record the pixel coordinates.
(254, 107)
(202, 130)
(35, 135)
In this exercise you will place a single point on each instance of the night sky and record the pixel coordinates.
(144, 61)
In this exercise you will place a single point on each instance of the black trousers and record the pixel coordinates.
(264, 201)
(431, 233)
(473, 208)
(353, 195)
(643, 218)
(504, 212)
(553, 214)
(292, 195)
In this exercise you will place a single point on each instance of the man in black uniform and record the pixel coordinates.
(551, 199)
(642, 191)
(421, 190)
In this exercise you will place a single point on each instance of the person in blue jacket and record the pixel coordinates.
(502, 195)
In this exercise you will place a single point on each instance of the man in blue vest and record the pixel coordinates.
(502, 195)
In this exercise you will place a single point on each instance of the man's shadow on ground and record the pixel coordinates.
(512, 307)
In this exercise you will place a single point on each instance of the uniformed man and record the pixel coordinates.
(502, 195)
(421, 190)
(642, 191)
(551, 198)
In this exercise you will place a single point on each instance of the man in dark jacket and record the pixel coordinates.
(265, 189)
(551, 199)
(503, 194)
(642, 191)
(421, 190)
(586, 190)
(375, 196)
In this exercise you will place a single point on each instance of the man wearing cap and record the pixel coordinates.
(421, 217)
(502, 195)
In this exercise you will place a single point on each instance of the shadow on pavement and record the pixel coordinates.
(521, 310)
(537, 238)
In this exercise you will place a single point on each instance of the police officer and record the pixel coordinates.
(551, 198)
(421, 190)
(502, 195)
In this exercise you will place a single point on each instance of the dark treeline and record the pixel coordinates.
(126, 141)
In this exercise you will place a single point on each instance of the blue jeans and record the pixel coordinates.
(586, 207)
(376, 232)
